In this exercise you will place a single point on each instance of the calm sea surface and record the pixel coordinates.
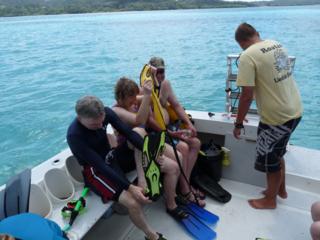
(48, 62)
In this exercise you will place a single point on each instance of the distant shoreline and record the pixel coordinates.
(10, 9)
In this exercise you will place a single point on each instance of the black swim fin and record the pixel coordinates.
(153, 147)
(16, 194)
(211, 187)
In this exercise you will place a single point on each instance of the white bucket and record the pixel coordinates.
(58, 186)
(74, 171)
(39, 203)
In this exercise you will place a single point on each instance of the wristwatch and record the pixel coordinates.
(238, 125)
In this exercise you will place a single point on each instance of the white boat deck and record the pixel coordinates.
(291, 220)
(303, 161)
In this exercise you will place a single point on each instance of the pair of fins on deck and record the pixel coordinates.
(14, 199)
(196, 218)
(14, 217)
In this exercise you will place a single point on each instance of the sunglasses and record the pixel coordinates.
(160, 71)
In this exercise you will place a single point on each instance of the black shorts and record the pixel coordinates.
(169, 140)
(271, 144)
(121, 159)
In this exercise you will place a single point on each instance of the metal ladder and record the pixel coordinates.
(232, 91)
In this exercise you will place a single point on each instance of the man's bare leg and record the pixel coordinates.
(140, 172)
(282, 189)
(189, 150)
(182, 154)
(136, 214)
(171, 172)
(192, 155)
(183, 148)
(169, 152)
(270, 199)
(138, 159)
(194, 147)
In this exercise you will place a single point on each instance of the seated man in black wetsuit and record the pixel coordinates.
(105, 168)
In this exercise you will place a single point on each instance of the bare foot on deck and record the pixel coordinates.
(282, 193)
(262, 203)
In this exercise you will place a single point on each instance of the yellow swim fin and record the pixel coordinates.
(145, 75)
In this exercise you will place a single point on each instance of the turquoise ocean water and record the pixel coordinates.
(48, 62)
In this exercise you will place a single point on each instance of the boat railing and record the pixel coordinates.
(233, 92)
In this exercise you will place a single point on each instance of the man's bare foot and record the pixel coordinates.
(263, 203)
(282, 193)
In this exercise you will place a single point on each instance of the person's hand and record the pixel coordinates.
(192, 129)
(237, 132)
(147, 87)
(142, 183)
(174, 134)
(183, 134)
(138, 194)
(153, 69)
(154, 73)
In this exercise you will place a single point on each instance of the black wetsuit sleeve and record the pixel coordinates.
(124, 129)
(80, 148)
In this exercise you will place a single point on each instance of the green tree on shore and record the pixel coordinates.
(43, 7)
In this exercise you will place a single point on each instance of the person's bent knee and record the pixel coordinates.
(180, 155)
(183, 147)
(133, 205)
(129, 201)
(315, 211)
(315, 230)
(195, 143)
(140, 131)
(172, 167)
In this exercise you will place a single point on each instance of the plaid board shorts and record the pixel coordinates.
(271, 144)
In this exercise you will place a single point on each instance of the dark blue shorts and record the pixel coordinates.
(271, 144)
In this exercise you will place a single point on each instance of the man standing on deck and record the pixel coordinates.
(104, 168)
(265, 71)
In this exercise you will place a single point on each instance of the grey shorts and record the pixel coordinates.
(271, 144)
